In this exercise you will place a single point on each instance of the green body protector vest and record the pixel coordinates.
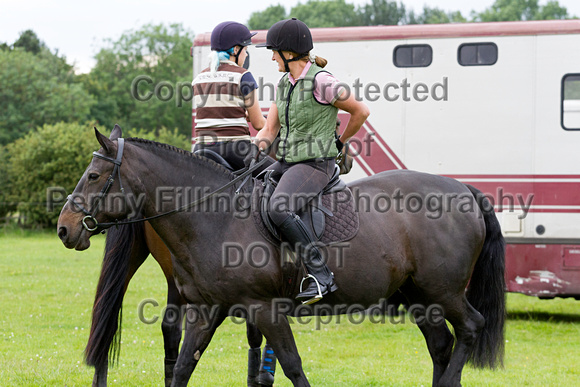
(307, 126)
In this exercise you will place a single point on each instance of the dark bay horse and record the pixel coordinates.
(432, 259)
(127, 247)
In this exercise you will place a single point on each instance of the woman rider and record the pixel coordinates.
(305, 112)
(225, 99)
(225, 96)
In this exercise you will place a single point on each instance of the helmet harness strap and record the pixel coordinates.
(286, 61)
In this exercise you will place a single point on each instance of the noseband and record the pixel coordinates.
(90, 215)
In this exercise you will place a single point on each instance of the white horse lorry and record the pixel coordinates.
(495, 105)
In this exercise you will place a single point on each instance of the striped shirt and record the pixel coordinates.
(219, 100)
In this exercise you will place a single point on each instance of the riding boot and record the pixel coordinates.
(253, 366)
(267, 367)
(320, 278)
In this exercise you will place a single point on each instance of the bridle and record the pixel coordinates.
(90, 215)
(117, 161)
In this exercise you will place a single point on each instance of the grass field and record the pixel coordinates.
(46, 293)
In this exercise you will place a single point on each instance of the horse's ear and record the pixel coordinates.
(104, 141)
(116, 133)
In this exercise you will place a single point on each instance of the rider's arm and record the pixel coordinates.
(268, 134)
(358, 115)
(254, 111)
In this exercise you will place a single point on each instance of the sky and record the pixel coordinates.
(77, 29)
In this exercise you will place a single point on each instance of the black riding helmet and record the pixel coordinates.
(229, 34)
(289, 35)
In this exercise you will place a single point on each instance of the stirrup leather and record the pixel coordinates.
(315, 298)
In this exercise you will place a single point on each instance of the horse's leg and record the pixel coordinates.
(267, 367)
(171, 325)
(100, 376)
(279, 335)
(467, 324)
(439, 339)
(198, 333)
(171, 328)
(254, 353)
(261, 368)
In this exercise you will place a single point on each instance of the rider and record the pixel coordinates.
(305, 113)
(225, 96)
(225, 99)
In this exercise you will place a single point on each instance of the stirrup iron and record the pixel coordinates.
(315, 298)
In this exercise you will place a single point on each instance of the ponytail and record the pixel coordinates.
(320, 61)
(216, 57)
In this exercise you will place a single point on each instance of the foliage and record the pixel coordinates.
(514, 10)
(29, 41)
(6, 206)
(163, 135)
(37, 89)
(264, 19)
(330, 13)
(53, 156)
(339, 13)
(51, 159)
(435, 16)
(129, 72)
(381, 12)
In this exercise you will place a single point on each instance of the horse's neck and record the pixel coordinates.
(171, 181)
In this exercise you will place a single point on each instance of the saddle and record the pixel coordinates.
(330, 216)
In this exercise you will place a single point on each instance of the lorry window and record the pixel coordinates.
(570, 107)
(413, 55)
(477, 54)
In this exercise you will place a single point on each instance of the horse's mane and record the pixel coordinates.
(192, 157)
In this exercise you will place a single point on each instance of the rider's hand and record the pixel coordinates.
(339, 145)
(253, 154)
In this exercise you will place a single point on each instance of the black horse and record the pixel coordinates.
(432, 259)
(126, 248)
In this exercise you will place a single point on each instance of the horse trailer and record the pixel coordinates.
(494, 105)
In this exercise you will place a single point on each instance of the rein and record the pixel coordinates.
(90, 215)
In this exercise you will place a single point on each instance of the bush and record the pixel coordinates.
(6, 207)
(51, 157)
(163, 135)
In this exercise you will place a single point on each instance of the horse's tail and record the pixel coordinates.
(486, 290)
(105, 337)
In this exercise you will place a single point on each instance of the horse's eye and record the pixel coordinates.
(93, 176)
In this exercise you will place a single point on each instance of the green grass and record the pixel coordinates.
(46, 293)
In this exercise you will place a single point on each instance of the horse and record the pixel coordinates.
(126, 248)
(455, 260)
(120, 263)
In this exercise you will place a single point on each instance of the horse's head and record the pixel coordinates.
(94, 199)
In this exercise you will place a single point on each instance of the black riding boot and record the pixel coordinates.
(267, 367)
(320, 278)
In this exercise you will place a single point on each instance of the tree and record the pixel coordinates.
(514, 10)
(30, 42)
(381, 12)
(553, 11)
(143, 80)
(264, 19)
(434, 16)
(330, 13)
(37, 89)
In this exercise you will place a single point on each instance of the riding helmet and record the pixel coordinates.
(230, 34)
(289, 35)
